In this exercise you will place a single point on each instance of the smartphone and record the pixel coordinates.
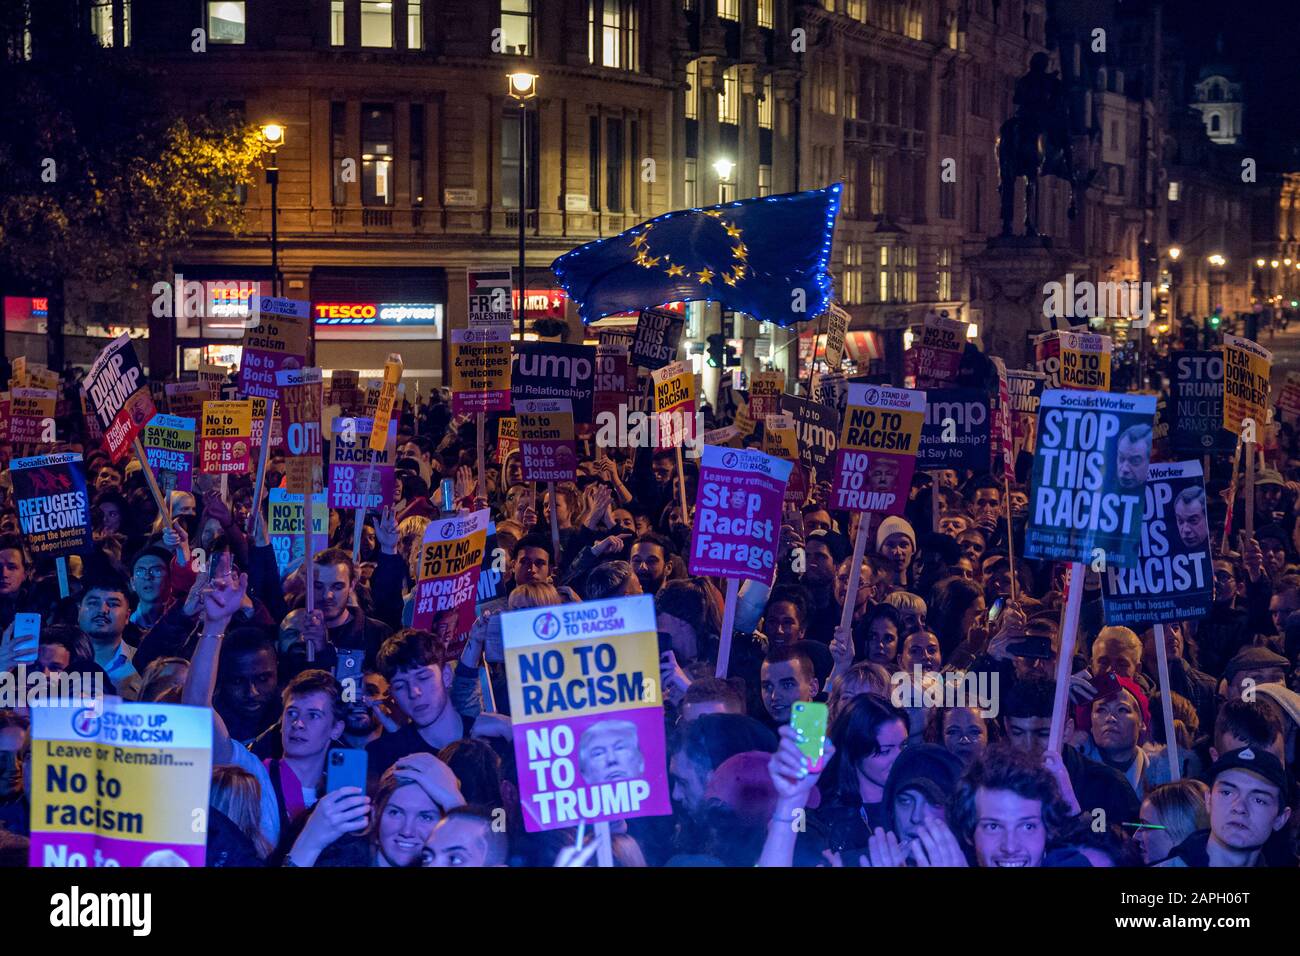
(996, 610)
(448, 494)
(1034, 648)
(345, 768)
(665, 643)
(809, 719)
(348, 669)
(26, 625)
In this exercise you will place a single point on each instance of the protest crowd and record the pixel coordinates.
(995, 618)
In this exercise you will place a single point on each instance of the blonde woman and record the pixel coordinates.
(1170, 814)
(536, 594)
(237, 794)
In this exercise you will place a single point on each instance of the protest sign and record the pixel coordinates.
(361, 477)
(546, 443)
(555, 370)
(31, 415)
(451, 558)
(1173, 579)
(480, 369)
(1025, 390)
(1001, 455)
(489, 297)
(284, 524)
(53, 506)
(765, 389)
(185, 399)
(225, 437)
(588, 725)
(300, 409)
(1047, 357)
(213, 376)
(1085, 360)
(507, 438)
(727, 437)
(259, 425)
(830, 389)
(5, 405)
(779, 437)
(737, 524)
(345, 391)
(386, 400)
(876, 456)
(818, 428)
(936, 358)
(1090, 470)
(613, 377)
(38, 376)
(119, 395)
(658, 332)
(957, 431)
(169, 445)
(1246, 371)
(278, 341)
(1288, 402)
(674, 386)
(837, 327)
(120, 784)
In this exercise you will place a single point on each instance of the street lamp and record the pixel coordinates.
(273, 139)
(1259, 263)
(724, 168)
(523, 87)
(1175, 252)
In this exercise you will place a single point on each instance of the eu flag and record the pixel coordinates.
(767, 257)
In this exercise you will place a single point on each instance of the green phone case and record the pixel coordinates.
(808, 718)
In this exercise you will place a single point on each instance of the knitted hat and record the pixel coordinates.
(894, 525)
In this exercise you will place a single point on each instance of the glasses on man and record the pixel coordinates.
(154, 571)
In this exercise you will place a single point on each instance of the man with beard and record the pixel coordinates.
(651, 557)
(365, 718)
(1007, 809)
(1133, 457)
(1249, 800)
(348, 626)
(248, 693)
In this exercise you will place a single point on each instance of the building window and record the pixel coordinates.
(101, 22)
(766, 19)
(726, 191)
(824, 79)
(613, 36)
(914, 26)
(947, 200)
(877, 185)
(905, 274)
(339, 149)
(948, 108)
(377, 151)
(729, 98)
(593, 163)
(693, 90)
(852, 77)
(943, 266)
(857, 10)
(691, 198)
(634, 166)
(849, 197)
(1175, 190)
(414, 25)
(417, 153)
(766, 105)
(614, 164)
(764, 180)
(729, 9)
(517, 26)
(855, 291)
(510, 157)
(376, 23)
(226, 21)
(883, 286)
(337, 36)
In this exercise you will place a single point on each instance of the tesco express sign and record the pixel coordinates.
(378, 313)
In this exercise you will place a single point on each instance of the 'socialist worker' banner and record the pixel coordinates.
(353, 482)
(674, 386)
(1085, 360)
(588, 724)
(118, 784)
(1089, 478)
(53, 507)
(737, 525)
(480, 369)
(119, 395)
(546, 443)
(227, 428)
(1246, 371)
(877, 452)
(279, 341)
(169, 445)
(1173, 579)
(451, 558)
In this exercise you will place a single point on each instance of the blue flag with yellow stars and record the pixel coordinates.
(767, 257)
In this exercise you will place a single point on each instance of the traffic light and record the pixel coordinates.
(1214, 321)
(717, 351)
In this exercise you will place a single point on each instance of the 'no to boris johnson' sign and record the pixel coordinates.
(588, 724)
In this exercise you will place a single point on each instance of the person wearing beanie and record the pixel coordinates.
(1117, 721)
(896, 546)
(1249, 801)
(920, 784)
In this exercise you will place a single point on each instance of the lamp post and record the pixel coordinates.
(273, 138)
(724, 168)
(523, 87)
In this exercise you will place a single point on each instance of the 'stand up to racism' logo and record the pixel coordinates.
(871, 396)
(85, 722)
(729, 459)
(449, 530)
(546, 626)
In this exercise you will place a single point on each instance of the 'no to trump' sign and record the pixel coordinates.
(877, 453)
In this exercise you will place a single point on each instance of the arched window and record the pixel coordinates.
(1215, 124)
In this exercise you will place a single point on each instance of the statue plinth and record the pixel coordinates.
(1007, 286)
